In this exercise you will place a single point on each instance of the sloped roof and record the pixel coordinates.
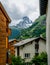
(11, 40)
(23, 42)
(4, 12)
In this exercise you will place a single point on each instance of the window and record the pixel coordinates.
(27, 55)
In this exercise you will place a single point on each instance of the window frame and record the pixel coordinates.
(27, 55)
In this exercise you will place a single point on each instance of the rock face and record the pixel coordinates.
(24, 23)
(4, 20)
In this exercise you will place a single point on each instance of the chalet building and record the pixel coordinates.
(30, 47)
(4, 33)
(11, 46)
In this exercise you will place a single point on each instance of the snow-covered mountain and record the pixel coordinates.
(24, 23)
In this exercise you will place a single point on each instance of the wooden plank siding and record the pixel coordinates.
(4, 20)
(11, 48)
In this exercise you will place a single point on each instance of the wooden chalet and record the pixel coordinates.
(4, 33)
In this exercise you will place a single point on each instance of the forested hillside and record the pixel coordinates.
(35, 30)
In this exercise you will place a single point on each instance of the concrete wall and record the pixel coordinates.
(48, 32)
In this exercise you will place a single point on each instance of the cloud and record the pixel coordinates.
(20, 8)
(15, 13)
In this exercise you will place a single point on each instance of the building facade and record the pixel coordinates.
(48, 32)
(4, 33)
(29, 47)
(11, 47)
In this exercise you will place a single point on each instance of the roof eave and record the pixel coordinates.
(5, 13)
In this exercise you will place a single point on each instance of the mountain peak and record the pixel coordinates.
(24, 23)
(25, 17)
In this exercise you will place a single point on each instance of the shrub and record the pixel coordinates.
(41, 59)
(17, 60)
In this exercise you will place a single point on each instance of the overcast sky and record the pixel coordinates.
(17, 9)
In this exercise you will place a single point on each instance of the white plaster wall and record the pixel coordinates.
(42, 46)
(21, 51)
(29, 48)
(48, 32)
